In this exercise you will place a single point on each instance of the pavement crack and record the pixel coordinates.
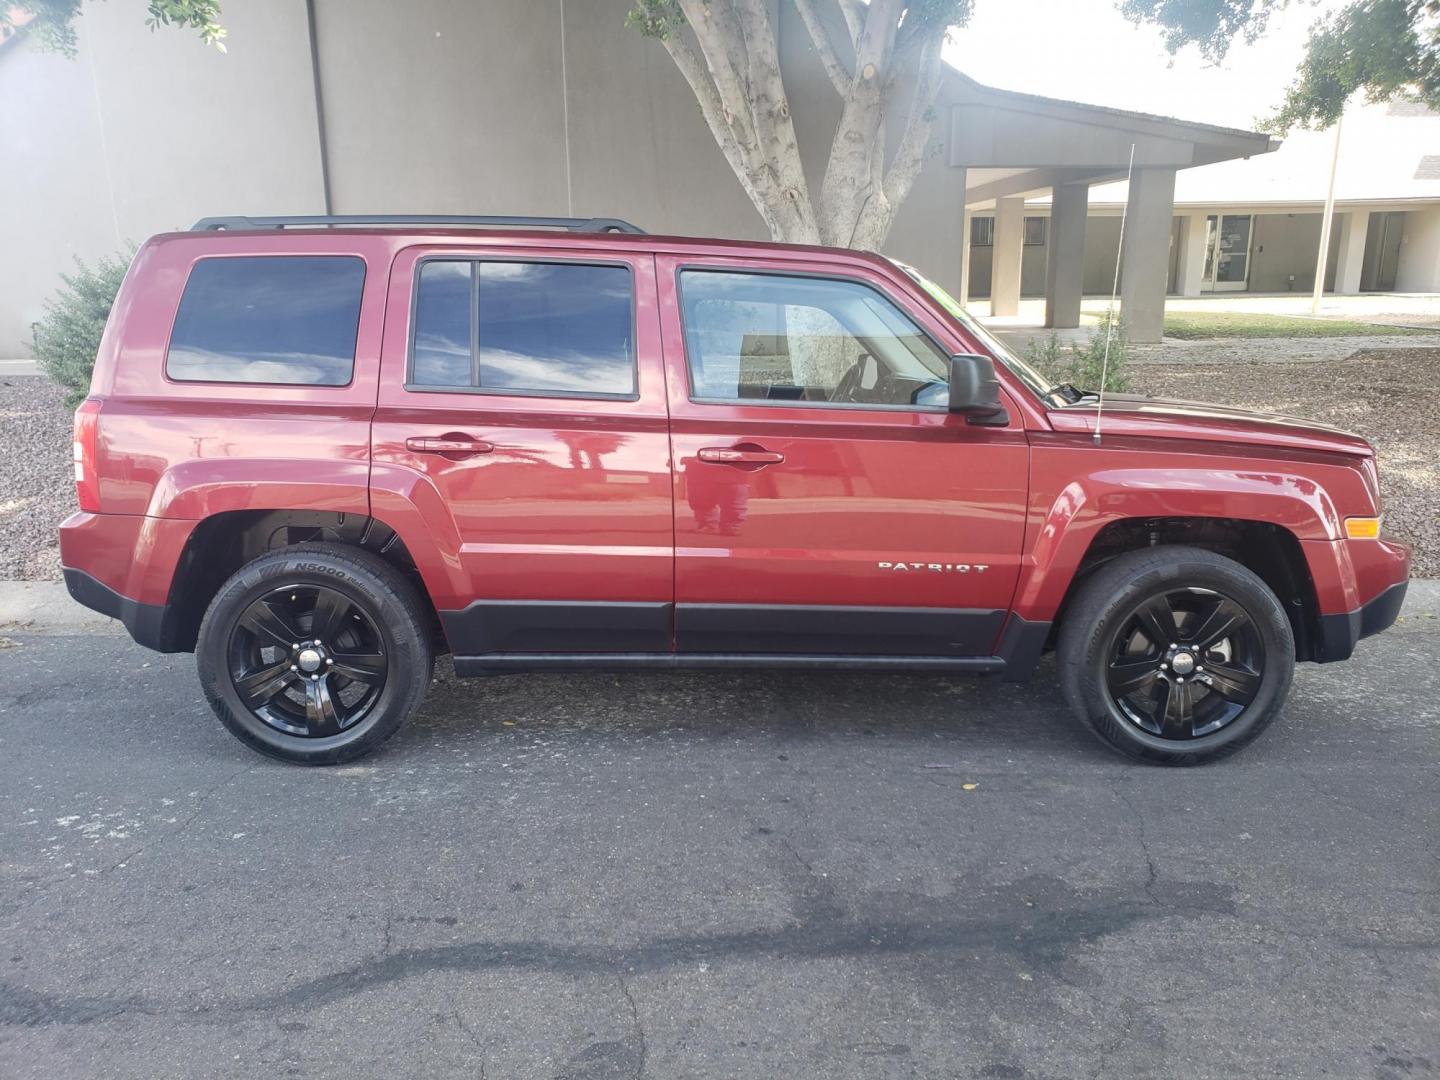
(1152, 872)
(474, 1039)
(1112, 1047)
(639, 1027)
(165, 837)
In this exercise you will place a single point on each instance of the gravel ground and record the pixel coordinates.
(37, 487)
(1255, 350)
(1384, 394)
(1387, 395)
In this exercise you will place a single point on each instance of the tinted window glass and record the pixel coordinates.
(539, 328)
(803, 341)
(268, 319)
(442, 325)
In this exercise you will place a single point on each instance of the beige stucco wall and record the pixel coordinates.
(146, 132)
(1419, 265)
(513, 106)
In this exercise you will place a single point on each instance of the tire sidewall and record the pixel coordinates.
(1117, 599)
(408, 659)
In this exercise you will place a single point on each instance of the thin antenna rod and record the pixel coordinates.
(1114, 291)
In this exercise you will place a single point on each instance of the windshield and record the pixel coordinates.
(1042, 386)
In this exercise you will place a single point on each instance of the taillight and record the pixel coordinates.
(87, 437)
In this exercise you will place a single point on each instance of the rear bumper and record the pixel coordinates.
(146, 622)
(1337, 634)
(122, 565)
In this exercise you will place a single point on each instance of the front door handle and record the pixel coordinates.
(447, 444)
(737, 455)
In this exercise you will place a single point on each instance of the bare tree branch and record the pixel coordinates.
(738, 45)
(910, 154)
(853, 174)
(839, 75)
(693, 69)
(854, 14)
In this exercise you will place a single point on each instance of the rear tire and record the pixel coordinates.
(315, 654)
(1210, 674)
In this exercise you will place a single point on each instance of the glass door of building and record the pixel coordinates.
(1227, 253)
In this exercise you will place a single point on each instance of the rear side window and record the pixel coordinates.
(289, 319)
(561, 329)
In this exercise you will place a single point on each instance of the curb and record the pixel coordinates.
(24, 369)
(46, 607)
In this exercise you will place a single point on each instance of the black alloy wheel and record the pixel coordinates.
(1185, 663)
(1174, 654)
(307, 660)
(316, 653)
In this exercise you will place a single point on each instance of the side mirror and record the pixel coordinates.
(975, 391)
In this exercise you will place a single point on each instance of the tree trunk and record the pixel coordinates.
(736, 78)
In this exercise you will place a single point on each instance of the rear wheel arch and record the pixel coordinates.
(222, 543)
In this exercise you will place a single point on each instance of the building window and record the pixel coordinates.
(532, 328)
(1035, 231)
(982, 231)
(286, 319)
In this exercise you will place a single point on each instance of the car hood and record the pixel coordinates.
(1137, 415)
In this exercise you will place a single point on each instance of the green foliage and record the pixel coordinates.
(68, 337)
(52, 22)
(657, 19)
(1081, 365)
(1385, 48)
(1210, 25)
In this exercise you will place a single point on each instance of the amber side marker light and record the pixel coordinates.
(1362, 528)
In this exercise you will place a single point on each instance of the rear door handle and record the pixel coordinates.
(427, 444)
(730, 455)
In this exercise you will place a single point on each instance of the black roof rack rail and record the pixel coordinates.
(596, 224)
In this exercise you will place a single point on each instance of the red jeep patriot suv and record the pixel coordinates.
(318, 451)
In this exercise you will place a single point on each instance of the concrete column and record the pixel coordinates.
(1350, 259)
(1006, 254)
(964, 294)
(1145, 254)
(1065, 262)
(1190, 268)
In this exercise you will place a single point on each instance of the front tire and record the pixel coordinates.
(1175, 655)
(314, 654)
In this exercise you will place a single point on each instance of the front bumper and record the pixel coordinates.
(1337, 634)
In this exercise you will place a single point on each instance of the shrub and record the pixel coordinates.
(68, 336)
(1081, 366)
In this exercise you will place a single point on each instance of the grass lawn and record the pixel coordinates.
(1195, 325)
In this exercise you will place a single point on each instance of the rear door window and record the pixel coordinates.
(533, 328)
(287, 319)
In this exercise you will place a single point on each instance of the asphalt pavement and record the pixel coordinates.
(716, 875)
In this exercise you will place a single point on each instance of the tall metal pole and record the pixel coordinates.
(1323, 257)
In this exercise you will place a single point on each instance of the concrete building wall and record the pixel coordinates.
(511, 106)
(1102, 247)
(143, 133)
(1282, 252)
(1419, 269)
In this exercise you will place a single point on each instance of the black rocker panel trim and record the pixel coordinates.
(544, 626)
(1021, 646)
(508, 663)
(834, 630)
